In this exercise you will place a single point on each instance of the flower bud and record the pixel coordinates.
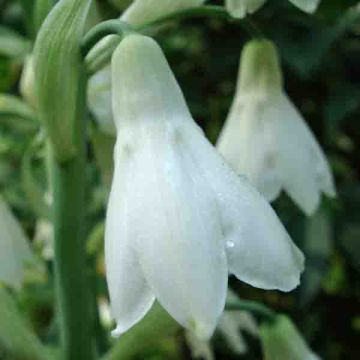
(59, 73)
(281, 340)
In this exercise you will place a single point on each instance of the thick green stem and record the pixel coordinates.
(73, 292)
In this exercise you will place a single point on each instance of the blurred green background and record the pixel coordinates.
(320, 57)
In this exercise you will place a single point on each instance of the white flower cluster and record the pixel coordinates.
(181, 213)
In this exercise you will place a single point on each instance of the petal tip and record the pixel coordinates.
(201, 329)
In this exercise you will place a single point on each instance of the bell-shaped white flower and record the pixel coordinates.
(265, 137)
(179, 219)
(15, 252)
(282, 340)
(240, 8)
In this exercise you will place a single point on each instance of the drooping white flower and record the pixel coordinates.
(282, 340)
(179, 219)
(240, 8)
(266, 138)
(15, 252)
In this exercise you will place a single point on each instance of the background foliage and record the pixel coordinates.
(321, 56)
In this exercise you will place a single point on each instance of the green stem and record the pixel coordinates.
(109, 27)
(210, 11)
(257, 309)
(72, 283)
(97, 59)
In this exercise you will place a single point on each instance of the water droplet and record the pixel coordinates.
(230, 244)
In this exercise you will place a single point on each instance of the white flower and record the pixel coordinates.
(266, 138)
(282, 340)
(179, 219)
(99, 98)
(240, 8)
(14, 248)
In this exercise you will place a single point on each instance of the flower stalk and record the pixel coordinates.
(98, 59)
(69, 185)
(257, 309)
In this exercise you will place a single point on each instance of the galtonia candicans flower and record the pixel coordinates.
(240, 8)
(282, 340)
(265, 137)
(15, 251)
(179, 219)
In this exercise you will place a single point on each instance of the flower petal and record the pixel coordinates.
(179, 242)
(99, 99)
(248, 144)
(240, 8)
(308, 6)
(303, 166)
(130, 296)
(259, 250)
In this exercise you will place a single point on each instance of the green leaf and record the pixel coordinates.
(17, 340)
(340, 104)
(14, 106)
(12, 44)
